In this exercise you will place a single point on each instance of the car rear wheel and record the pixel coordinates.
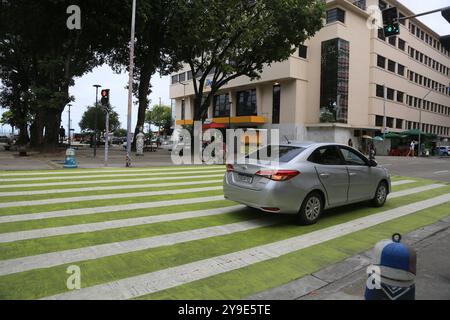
(311, 209)
(380, 195)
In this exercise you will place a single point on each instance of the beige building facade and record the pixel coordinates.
(344, 83)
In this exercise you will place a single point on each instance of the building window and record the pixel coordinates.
(380, 91)
(399, 124)
(221, 106)
(381, 35)
(401, 44)
(303, 51)
(246, 103)
(335, 14)
(381, 61)
(334, 80)
(183, 109)
(182, 77)
(175, 79)
(389, 122)
(392, 41)
(391, 65)
(390, 93)
(400, 96)
(401, 70)
(276, 104)
(379, 121)
(401, 17)
(189, 75)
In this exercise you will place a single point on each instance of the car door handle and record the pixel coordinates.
(324, 175)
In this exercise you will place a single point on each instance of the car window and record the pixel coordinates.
(352, 158)
(285, 153)
(326, 156)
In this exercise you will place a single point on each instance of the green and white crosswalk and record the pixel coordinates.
(168, 233)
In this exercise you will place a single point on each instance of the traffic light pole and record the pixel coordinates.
(423, 14)
(107, 137)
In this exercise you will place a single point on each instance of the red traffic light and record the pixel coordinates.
(105, 93)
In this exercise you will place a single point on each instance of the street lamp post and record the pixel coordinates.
(130, 86)
(95, 118)
(420, 115)
(384, 112)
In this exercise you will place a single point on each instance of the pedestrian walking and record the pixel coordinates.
(412, 147)
(350, 143)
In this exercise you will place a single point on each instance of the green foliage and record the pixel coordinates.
(159, 116)
(224, 39)
(120, 133)
(87, 122)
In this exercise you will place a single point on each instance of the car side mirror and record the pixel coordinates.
(373, 163)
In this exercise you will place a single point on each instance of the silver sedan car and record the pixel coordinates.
(308, 178)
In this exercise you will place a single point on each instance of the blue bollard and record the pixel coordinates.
(70, 161)
(393, 271)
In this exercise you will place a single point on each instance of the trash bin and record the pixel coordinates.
(393, 271)
(70, 161)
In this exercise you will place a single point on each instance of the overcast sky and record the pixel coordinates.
(84, 93)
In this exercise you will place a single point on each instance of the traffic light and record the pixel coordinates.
(446, 14)
(391, 26)
(105, 97)
(445, 42)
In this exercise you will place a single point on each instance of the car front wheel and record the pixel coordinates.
(311, 209)
(380, 195)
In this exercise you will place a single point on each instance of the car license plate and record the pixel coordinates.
(245, 179)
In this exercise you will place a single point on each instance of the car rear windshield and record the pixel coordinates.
(276, 153)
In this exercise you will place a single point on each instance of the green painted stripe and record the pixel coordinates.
(45, 282)
(101, 217)
(104, 192)
(103, 203)
(108, 184)
(260, 277)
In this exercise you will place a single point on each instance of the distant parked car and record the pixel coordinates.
(443, 150)
(308, 179)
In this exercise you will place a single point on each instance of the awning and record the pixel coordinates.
(213, 125)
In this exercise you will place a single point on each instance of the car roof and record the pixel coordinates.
(305, 144)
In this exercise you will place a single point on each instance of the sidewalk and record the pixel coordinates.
(346, 280)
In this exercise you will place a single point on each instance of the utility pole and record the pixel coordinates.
(384, 112)
(130, 86)
(95, 118)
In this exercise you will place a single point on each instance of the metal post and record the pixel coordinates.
(384, 112)
(95, 118)
(130, 86)
(107, 137)
(68, 136)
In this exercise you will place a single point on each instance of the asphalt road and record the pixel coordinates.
(427, 168)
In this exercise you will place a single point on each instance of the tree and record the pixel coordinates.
(153, 50)
(87, 122)
(121, 133)
(226, 39)
(160, 116)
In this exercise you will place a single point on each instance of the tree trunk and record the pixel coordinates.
(52, 122)
(144, 86)
(37, 131)
(23, 134)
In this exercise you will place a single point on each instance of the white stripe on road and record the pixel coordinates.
(108, 209)
(113, 196)
(111, 176)
(415, 190)
(115, 181)
(440, 172)
(90, 189)
(172, 277)
(122, 223)
(395, 183)
(48, 260)
(101, 171)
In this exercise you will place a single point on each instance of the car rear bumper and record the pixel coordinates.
(274, 197)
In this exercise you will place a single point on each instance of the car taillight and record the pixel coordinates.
(278, 175)
(230, 168)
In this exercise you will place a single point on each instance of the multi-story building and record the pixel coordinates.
(345, 82)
